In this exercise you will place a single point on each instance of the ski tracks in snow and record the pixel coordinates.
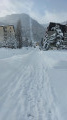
(26, 92)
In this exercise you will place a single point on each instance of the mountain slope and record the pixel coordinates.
(31, 28)
(64, 23)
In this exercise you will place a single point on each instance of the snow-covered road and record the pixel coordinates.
(25, 89)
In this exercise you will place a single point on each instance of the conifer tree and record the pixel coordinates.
(19, 34)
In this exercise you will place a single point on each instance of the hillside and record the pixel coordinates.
(64, 23)
(30, 27)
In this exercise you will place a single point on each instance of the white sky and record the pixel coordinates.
(43, 11)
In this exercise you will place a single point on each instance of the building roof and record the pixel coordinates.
(62, 27)
(6, 25)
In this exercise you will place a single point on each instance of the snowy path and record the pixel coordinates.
(25, 91)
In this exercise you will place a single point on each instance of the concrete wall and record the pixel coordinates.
(6, 33)
(10, 32)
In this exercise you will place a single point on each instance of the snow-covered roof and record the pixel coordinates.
(53, 25)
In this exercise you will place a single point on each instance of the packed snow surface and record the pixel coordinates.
(27, 82)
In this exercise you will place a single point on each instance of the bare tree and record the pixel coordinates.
(19, 34)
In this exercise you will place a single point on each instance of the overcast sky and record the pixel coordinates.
(42, 10)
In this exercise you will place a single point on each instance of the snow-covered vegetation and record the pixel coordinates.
(56, 39)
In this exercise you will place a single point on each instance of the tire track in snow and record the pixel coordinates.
(5, 90)
(14, 81)
(13, 75)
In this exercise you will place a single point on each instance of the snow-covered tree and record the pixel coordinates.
(46, 43)
(26, 42)
(30, 43)
(42, 42)
(11, 42)
(19, 34)
(55, 39)
(58, 31)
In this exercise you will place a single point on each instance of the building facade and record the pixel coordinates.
(7, 35)
(56, 36)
